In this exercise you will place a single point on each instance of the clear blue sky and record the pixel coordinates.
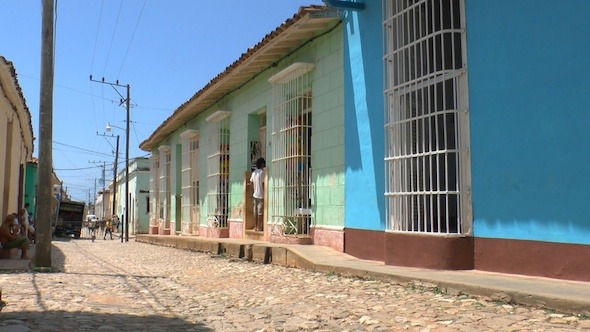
(165, 50)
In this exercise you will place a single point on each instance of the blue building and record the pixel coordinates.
(466, 134)
(443, 134)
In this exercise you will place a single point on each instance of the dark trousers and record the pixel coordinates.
(108, 230)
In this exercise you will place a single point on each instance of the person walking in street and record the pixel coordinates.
(10, 240)
(257, 179)
(108, 228)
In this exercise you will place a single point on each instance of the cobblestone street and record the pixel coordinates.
(114, 286)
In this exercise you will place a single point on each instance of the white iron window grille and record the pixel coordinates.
(262, 135)
(218, 169)
(291, 204)
(154, 190)
(195, 185)
(427, 127)
(190, 181)
(165, 192)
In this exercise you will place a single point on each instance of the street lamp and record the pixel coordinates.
(109, 128)
(127, 102)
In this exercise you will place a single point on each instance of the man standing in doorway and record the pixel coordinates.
(257, 179)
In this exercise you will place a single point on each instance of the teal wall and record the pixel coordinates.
(327, 133)
(530, 114)
(364, 114)
(139, 186)
(31, 180)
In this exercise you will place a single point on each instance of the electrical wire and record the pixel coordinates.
(74, 169)
(96, 37)
(93, 57)
(112, 39)
(82, 149)
(131, 41)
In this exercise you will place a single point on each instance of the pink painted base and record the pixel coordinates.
(328, 238)
(289, 239)
(214, 232)
(236, 229)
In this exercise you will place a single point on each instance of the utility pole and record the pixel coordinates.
(128, 106)
(92, 199)
(102, 165)
(45, 175)
(127, 168)
(114, 211)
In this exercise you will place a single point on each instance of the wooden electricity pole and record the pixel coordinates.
(45, 175)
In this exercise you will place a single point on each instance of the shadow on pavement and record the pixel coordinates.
(88, 321)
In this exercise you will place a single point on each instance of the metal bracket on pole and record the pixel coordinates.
(127, 102)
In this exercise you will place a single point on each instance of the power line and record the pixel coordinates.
(112, 39)
(96, 38)
(74, 169)
(82, 149)
(113, 101)
(132, 36)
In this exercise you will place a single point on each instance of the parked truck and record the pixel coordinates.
(69, 218)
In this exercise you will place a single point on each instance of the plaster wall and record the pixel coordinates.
(529, 102)
(363, 109)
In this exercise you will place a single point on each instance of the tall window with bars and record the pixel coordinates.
(165, 192)
(426, 122)
(218, 169)
(154, 190)
(195, 204)
(190, 181)
(291, 205)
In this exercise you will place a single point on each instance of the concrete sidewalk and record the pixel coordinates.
(14, 263)
(561, 295)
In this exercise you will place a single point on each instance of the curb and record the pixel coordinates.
(497, 287)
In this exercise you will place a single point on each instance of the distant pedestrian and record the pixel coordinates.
(116, 222)
(257, 179)
(108, 228)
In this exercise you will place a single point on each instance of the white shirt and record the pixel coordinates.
(257, 179)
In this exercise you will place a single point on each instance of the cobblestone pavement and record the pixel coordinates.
(114, 286)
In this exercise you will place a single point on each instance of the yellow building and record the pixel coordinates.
(16, 139)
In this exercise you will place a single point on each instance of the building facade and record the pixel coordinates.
(479, 162)
(283, 101)
(442, 134)
(139, 173)
(16, 140)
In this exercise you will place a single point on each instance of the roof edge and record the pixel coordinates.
(303, 13)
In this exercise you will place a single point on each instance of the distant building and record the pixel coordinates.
(139, 172)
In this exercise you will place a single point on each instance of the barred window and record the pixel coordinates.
(190, 181)
(218, 169)
(291, 149)
(427, 126)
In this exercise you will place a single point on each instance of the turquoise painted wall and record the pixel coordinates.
(31, 180)
(328, 130)
(363, 100)
(138, 186)
(529, 89)
(327, 156)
